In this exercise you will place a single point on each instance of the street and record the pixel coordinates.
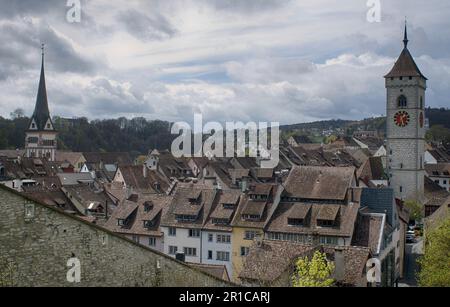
(413, 252)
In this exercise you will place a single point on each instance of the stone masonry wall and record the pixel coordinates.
(34, 252)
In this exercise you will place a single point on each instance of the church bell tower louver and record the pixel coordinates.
(40, 140)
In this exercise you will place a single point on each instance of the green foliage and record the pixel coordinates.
(415, 210)
(330, 139)
(435, 264)
(136, 135)
(7, 270)
(313, 273)
(438, 134)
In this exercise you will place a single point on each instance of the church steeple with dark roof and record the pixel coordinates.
(41, 115)
(405, 65)
(40, 141)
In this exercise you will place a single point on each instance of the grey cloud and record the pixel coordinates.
(146, 27)
(14, 8)
(23, 51)
(247, 6)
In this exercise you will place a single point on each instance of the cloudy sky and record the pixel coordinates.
(264, 60)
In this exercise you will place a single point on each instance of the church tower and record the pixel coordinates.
(40, 140)
(406, 87)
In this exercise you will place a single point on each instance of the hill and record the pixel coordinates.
(139, 135)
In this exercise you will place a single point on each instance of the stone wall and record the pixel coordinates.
(35, 249)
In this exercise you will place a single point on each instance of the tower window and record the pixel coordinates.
(401, 189)
(421, 102)
(410, 78)
(402, 102)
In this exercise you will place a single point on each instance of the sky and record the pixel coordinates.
(288, 61)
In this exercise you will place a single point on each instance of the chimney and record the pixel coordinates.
(244, 184)
(145, 171)
(180, 257)
(339, 263)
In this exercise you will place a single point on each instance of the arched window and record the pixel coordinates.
(402, 102)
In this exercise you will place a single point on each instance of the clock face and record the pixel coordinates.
(401, 118)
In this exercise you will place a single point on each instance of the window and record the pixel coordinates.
(148, 206)
(295, 222)
(33, 140)
(148, 224)
(410, 78)
(210, 255)
(173, 250)
(136, 239)
(401, 189)
(328, 240)
(250, 235)
(421, 102)
(293, 237)
(224, 239)
(190, 251)
(194, 233)
(121, 222)
(220, 221)
(210, 237)
(33, 126)
(244, 251)
(251, 217)
(152, 241)
(223, 256)
(402, 101)
(325, 223)
(172, 232)
(436, 181)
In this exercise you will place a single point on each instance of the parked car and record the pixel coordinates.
(410, 236)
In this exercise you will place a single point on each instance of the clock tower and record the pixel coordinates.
(406, 87)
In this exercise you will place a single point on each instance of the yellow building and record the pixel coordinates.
(248, 223)
(242, 239)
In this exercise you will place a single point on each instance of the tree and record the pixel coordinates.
(435, 263)
(17, 113)
(415, 210)
(313, 273)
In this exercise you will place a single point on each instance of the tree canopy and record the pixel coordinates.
(313, 273)
(435, 264)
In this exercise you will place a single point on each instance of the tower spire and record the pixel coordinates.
(405, 40)
(41, 112)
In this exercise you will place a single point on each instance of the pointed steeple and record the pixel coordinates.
(41, 112)
(405, 40)
(405, 65)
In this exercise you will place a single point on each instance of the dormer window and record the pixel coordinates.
(148, 206)
(295, 222)
(48, 126)
(251, 217)
(325, 223)
(121, 222)
(148, 224)
(229, 206)
(220, 221)
(33, 126)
